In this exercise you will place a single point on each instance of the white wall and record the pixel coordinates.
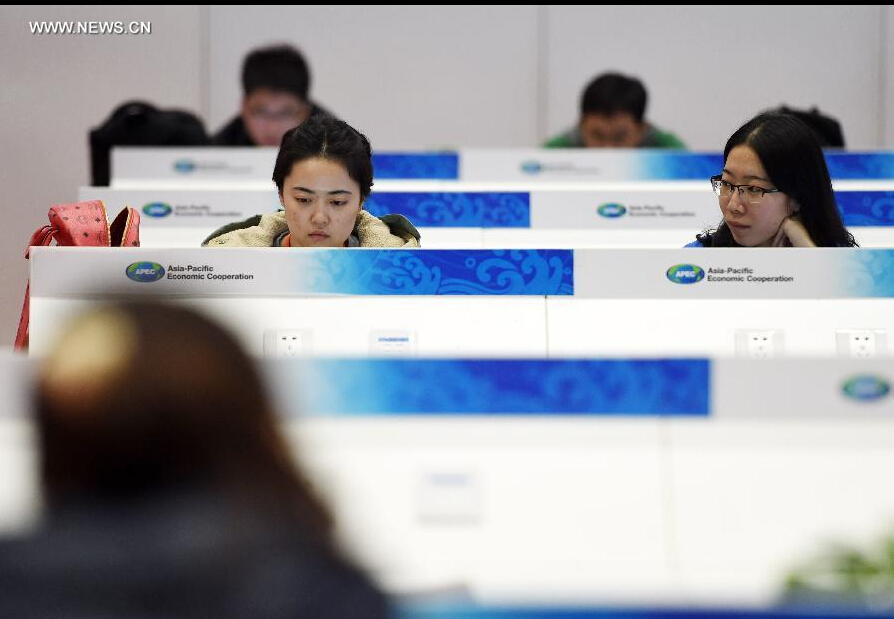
(425, 77)
(54, 88)
(886, 62)
(708, 68)
(408, 76)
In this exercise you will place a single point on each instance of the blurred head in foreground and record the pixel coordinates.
(139, 399)
(169, 488)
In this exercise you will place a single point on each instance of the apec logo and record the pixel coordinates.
(685, 274)
(184, 166)
(866, 388)
(531, 167)
(144, 272)
(157, 209)
(612, 210)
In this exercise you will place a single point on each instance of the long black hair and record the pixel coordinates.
(795, 164)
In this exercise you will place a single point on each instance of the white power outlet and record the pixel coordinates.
(759, 344)
(397, 343)
(287, 343)
(861, 343)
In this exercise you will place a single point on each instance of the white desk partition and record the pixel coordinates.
(143, 167)
(536, 303)
(687, 481)
(470, 216)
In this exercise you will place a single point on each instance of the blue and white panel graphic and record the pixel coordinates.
(460, 611)
(866, 273)
(652, 165)
(438, 272)
(860, 166)
(432, 166)
(508, 387)
(677, 166)
(866, 208)
(456, 209)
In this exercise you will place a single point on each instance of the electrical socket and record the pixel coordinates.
(759, 344)
(388, 343)
(288, 343)
(861, 343)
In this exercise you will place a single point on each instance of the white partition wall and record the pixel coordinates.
(535, 303)
(638, 481)
(463, 215)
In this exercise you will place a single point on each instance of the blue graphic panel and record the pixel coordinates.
(456, 210)
(867, 273)
(515, 387)
(860, 166)
(679, 166)
(439, 272)
(866, 208)
(663, 165)
(459, 611)
(432, 166)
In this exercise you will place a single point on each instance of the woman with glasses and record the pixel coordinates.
(775, 190)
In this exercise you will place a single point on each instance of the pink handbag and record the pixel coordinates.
(80, 224)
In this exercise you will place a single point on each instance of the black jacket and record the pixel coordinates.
(177, 559)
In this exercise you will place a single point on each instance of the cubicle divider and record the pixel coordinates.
(492, 303)
(666, 214)
(581, 481)
(142, 167)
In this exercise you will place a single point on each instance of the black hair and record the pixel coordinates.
(280, 68)
(826, 128)
(611, 93)
(328, 138)
(794, 161)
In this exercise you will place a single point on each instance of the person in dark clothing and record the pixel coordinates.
(275, 86)
(138, 123)
(169, 490)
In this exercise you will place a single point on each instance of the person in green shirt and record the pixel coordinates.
(613, 109)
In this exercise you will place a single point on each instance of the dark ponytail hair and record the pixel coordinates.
(794, 161)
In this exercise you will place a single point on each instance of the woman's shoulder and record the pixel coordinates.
(257, 231)
(388, 231)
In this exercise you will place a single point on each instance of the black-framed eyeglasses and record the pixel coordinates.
(750, 193)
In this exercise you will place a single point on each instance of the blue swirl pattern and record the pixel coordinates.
(438, 272)
(860, 166)
(456, 209)
(866, 208)
(509, 387)
(434, 166)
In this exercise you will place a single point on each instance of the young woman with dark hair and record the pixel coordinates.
(775, 189)
(323, 173)
(169, 489)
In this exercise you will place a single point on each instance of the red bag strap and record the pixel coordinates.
(21, 342)
(42, 236)
(125, 230)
